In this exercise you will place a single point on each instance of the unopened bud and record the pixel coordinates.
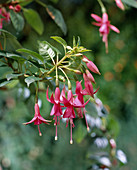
(77, 72)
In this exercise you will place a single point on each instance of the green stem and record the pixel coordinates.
(102, 6)
(37, 88)
(69, 83)
(57, 81)
(58, 63)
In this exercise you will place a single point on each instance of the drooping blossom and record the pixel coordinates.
(105, 27)
(38, 119)
(6, 16)
(80, 94)
(70, 103)
(119, 4)
(56, 109)
(88, 86)
(91, 66)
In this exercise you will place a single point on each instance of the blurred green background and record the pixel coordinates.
(20, 147)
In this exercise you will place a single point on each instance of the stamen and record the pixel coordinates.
(71, 140)
(86, 122)
(56, 136)
(40, 134)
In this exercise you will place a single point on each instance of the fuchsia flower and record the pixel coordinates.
(105, 27)
(69, 113)
(90, 65)
(6, 16)
(119, 4)
(56, 109)
(88, 86)
(80, 94)
(38, 119)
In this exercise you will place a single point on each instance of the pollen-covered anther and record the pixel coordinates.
(71, 141)
(88, 129)
(40, 134)
(56, 138)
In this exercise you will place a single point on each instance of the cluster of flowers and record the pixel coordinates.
(71, 102)
(5, 16)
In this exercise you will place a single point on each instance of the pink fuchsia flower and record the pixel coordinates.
(56, 109)
(6, 16)
(105, 27)
(119, 4)
(90, 65)
(38, 119)
(69, 113)
(80, 94)
(88, 86)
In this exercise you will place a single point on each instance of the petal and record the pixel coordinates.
(37, 112)
(97, 24)
(96, 17)
(77, 102)
(47, 95)
(78, 87)
(66, 102)
(30, 121)
(114, 28)
(57, 94)
(105, 17)
(62, 94)
(52, 111)
(70, 96)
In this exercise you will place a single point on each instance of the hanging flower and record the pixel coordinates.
(88, 86)
(56, 109)
(105, 27)
(38, 119)
(80, 95)
(69, 113)
(119, 4)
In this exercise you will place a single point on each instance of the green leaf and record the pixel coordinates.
(47, 50)
(34, 20)
(23, 3)
(12, 83)
(34, 54)
(80, 132)
(11, 40)
(3, 82)
(17, 20)
(57, 17)
(10, 76)
(132, 3)
(60, 40)
(11, 55)
(31, 79)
